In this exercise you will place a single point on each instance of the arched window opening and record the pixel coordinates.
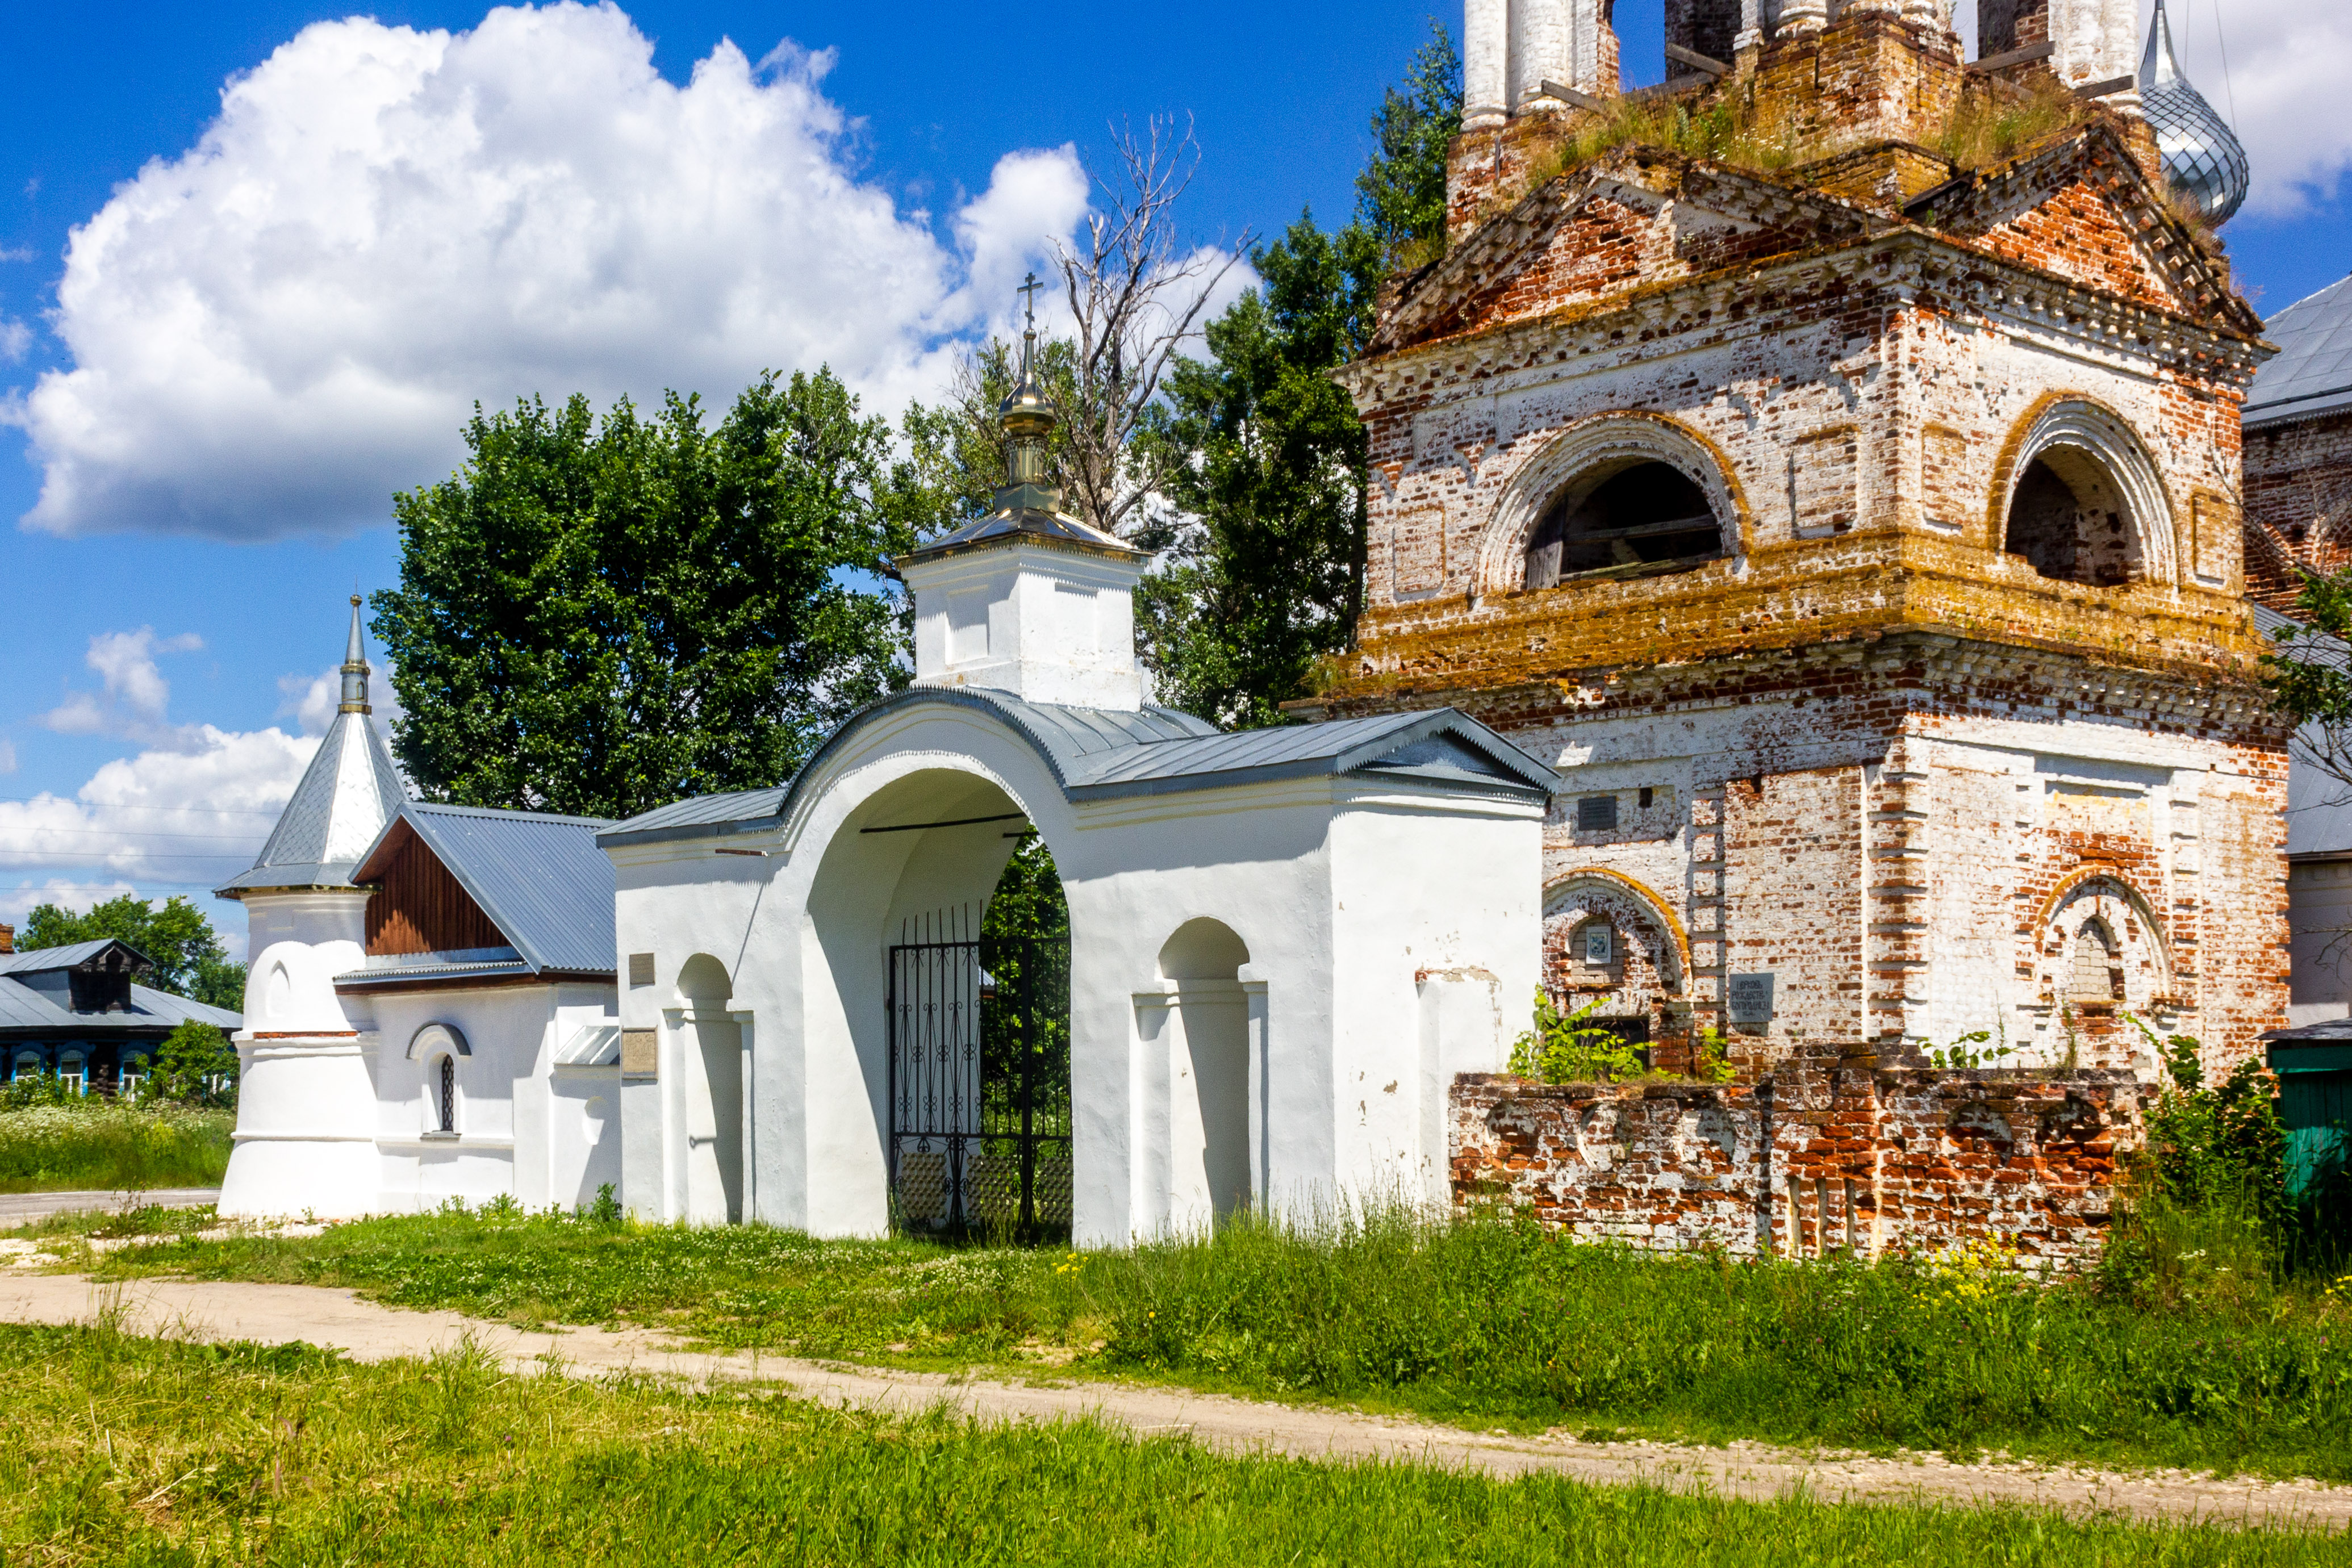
(2068, 518)
(1625, 520)
(28, 1065)
(2098, 964)
(444, 1101)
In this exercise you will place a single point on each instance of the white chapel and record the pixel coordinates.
(782, 1005)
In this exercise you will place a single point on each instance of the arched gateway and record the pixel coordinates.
(1283, 943)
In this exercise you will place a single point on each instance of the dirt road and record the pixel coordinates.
(278, 1314)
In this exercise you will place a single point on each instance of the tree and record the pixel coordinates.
(1260, 452)
(1135, 294)
(196, 1065)
(181, 942)
(598, 618)
(1265, 459)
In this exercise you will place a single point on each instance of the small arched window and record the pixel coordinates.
(1625, 519)
(2098, 964)
(444, 1095)
(29, 1064)
(2068, 518)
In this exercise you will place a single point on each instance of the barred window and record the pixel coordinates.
(448, 1096)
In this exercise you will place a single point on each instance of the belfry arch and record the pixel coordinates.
(1618, 495)
(2079, 499)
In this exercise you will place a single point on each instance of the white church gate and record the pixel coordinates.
(980, 1126)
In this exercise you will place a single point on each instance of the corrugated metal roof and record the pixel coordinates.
(34, 960)
(540, 879)
(347, 795)
(1032, 512)
(2313, 372)
(22, 1008)
(708, 811)
(1103, 753)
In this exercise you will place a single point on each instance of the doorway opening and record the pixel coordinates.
(980, 1132)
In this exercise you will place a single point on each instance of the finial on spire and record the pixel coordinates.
(355, 667)
(1027, 415)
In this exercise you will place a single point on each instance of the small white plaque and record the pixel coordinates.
(1596, 945)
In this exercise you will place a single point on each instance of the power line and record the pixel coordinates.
(192, 811)
(256, 842)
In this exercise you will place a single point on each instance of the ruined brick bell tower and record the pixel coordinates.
(1849, 503)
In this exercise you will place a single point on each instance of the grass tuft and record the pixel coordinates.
(108, 1144)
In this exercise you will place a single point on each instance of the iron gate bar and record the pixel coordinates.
(957, 823)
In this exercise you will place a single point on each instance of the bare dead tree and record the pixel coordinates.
(1136, 293)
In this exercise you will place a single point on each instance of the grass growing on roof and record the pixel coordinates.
(118, 1449)
(1487, 1321)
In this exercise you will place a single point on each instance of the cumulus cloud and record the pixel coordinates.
(196, 813)
(2287, 60)
(275, 331)
(313, 701)
(134, 693)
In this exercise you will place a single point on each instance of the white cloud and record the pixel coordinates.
(273, 332)
(313, 701)
(193, 814)
(15, 339)
(136, 694)
(2287, 61)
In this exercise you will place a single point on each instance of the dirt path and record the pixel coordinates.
(31, 1207)
(275, 1314)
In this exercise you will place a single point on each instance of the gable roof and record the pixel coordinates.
(24, 1010)
(1974, 203)
(1486, 260)
(538, 879)
(72, 955)
(2313, 372)
(1097, 754)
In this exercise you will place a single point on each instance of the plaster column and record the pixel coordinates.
(748, 1148)
(1261, 1089)
(1486, 51)
(1158, 1027)
(1801, 19)
(1539, 36)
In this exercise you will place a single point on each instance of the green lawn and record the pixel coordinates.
(120, 1449)
(103, 1144)
(1486, 1322)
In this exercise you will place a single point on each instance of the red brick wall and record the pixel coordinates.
(2298, 505)
(1817, 1156)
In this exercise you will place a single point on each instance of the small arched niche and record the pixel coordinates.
(712, 1057)
(1627, 516)
(1209, 1109)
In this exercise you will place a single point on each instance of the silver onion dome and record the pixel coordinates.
(2203, 161)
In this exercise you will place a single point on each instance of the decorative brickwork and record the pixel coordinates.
(1818, 1157)
(1972, 665)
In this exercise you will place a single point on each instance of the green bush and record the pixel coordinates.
(61, 1142)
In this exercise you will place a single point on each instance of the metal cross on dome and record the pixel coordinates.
(1028, 290)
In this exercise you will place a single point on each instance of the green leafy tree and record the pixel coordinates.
(1264, 459)
(597, 617)
(196, 1065)
(1400, 194)
(181, 944)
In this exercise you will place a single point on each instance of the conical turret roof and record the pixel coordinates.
(2203, 161)
(350, 791)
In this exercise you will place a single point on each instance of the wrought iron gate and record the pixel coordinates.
(980, 1083)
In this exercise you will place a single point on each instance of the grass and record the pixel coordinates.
(1486, 1322)
(106, 1144)
(118, 1449)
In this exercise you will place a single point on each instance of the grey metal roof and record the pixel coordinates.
(539, 878)
(347, 795)
(2313, 372)
(35, 960)
(1028, 511)
(24, 1010)
(1105, 753)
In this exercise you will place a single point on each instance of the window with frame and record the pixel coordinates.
(1625, 519)
(444, 1095)
(73, 1070)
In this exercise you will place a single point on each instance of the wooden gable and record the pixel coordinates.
(418, 906)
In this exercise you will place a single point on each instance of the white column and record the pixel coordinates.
(1486, 33)
(1538, 35)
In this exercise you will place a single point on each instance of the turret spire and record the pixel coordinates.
(1027, 416)
(355, 667)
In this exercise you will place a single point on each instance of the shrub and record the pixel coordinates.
(196, 1065)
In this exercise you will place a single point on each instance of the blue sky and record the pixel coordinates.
(918, 149)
